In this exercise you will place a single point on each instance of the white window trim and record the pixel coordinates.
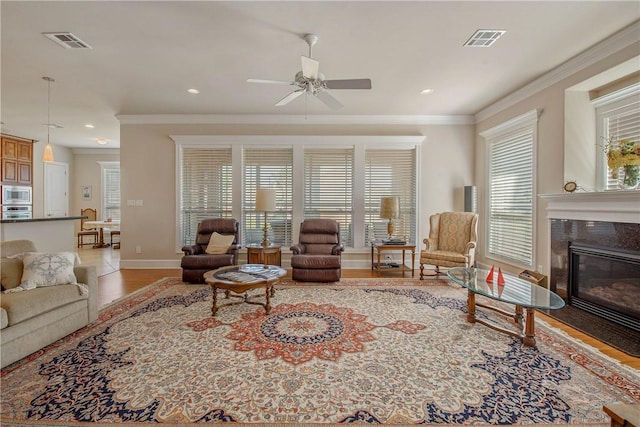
(238, 142)
(524, 121)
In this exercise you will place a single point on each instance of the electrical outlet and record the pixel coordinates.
(539, 270)
(388, 258)
(138, 249)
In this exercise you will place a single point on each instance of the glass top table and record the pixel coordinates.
(524, 295)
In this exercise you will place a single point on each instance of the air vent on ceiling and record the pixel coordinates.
(484, 38)
(67, 40)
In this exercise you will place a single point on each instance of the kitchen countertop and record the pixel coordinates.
(58, 218)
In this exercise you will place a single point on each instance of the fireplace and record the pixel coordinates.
(594, 260)
(606, 282)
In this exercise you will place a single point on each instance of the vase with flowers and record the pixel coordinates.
(623, 160)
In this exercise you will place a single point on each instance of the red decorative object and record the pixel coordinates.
(490, 275)
(500, 277)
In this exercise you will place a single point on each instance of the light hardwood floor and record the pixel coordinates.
(115, 283)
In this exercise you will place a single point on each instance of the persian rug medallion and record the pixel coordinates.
(364, 352)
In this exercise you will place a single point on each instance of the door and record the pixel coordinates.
(56, 189)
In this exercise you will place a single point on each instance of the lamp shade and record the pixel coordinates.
(266, 199)
(47, 154)
(389, 207)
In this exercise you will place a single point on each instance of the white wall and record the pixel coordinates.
(147, 165)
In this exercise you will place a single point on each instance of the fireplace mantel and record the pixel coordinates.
(610, 206)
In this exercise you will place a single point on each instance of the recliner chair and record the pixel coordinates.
(196, 261)
(317, 256)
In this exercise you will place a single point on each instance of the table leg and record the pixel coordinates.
(214, 308)
(518, 316)
(403, 263)
(471, 307)
(413, 262)
(372, 257)
(267, 294)
(530, 328)
(379, 259)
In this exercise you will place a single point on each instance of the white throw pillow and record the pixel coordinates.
(48, 269)
(219, 244)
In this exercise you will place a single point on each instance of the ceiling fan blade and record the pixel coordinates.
(348, 84)
(278, 82)
(287, 99)
(310, 68)
(329, 100)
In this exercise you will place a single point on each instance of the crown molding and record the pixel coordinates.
(602, 50)
(94, 151)
(276, 119)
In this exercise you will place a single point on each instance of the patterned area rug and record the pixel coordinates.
(366, 351)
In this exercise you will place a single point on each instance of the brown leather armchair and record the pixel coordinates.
(196, 261)
(317, 256)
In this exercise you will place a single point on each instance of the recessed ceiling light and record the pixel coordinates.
(89, 125)
(484, 38)
(193, 91)
(102, 141)
(426, 91)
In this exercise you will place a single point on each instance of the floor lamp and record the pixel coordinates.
(389, 209)
(265, 202)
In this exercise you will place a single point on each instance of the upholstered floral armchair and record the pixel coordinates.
(452, 241)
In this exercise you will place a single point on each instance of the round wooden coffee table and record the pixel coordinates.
(237, 280)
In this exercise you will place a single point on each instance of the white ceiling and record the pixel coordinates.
(146, 54)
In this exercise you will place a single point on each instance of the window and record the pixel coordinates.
(618, 118)
(268, 168)
(339, 177)
(328, 187)
(110, 190)
(390, 172)
(206, 177)
(511, 189)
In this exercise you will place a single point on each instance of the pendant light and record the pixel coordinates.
(47, 155)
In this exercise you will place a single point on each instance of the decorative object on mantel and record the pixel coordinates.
(570, 186)
(623, 160)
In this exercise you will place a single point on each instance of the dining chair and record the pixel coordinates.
(86, 231)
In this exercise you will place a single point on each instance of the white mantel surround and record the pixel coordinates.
(607, 206)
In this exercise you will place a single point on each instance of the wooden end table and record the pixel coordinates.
(237, 280)
(380, 248)
(258, 254)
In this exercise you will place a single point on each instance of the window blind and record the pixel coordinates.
(111, 201)
(205, 188)
(390, 173)
(328, 187)
(268, 168)
(619, 124)
(510, 222)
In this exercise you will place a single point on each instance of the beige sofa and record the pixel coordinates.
(32, 319)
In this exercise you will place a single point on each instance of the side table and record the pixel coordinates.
(267, 255)
(380, 248)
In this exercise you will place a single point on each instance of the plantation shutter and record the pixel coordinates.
(510, 233)
(205, 188)
(268, 168)
(112, 193)
(390, 173)
(328, 188)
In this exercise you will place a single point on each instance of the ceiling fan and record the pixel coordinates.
(311, 81)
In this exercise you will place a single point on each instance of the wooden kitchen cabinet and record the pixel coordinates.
(16, 160)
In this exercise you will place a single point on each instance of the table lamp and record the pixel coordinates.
(389, 209)
(265, 202)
